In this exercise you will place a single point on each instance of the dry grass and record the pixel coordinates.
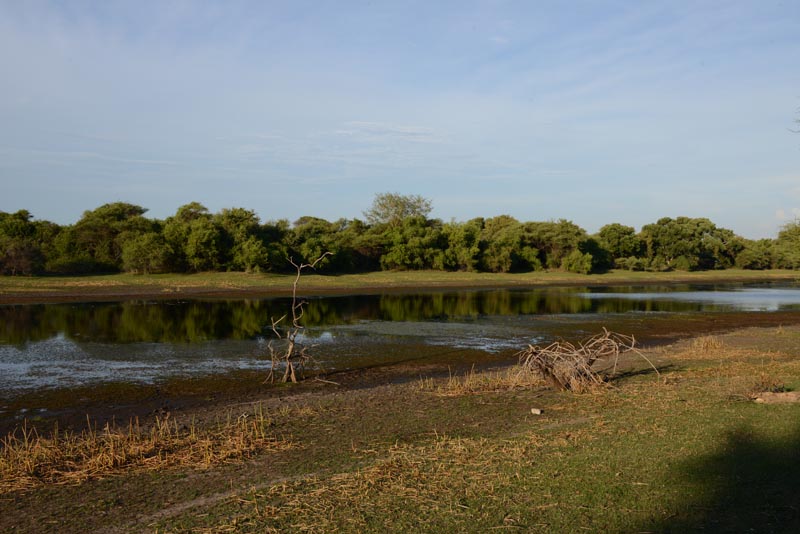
(592, 465)
(435, 477)
(473, 382)
(28, 459)
(707, 343)
(766, 383)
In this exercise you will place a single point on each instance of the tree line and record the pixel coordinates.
(395, 234)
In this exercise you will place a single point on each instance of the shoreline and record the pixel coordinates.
(396, 447)
(113, 401)
(42, 290)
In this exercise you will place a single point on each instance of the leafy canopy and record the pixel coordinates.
(393, 208)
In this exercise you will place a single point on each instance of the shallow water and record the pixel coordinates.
(67, 345)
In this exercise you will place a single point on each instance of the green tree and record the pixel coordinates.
(203, 246)
(237, 223)
(554, 240)
(416, 243)
(250, 255)
(787, 246)
(146, 253)
(275, 235)
(463, 251)
(689, 244)
(95, 242)
(241, 246)
(506, 246)
(393, 208)
(577, 262)
(20, 250)
(310, 238)
(756, 255)
(621, 242)
(366, 243)
(188, 233)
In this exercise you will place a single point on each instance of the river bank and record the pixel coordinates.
(683, 450)
(27, 290)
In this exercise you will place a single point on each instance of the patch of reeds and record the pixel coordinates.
(28, 458)
(473, 382)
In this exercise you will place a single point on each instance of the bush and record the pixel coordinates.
(658, 264)
(631, 264)
(577, 262)
(682, 263)
(146, 253)
(756, 258)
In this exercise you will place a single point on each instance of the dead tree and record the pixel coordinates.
(294, 355)
(573, 367)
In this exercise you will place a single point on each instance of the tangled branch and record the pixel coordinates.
(573, 367)
(294, 356)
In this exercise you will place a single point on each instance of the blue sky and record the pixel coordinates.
(596, 111)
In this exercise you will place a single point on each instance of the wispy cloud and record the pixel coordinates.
(509, 101)
(72, 156)
(378, 131)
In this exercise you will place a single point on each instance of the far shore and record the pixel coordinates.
(29, 290)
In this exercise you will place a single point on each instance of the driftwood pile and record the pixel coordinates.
(580, 367)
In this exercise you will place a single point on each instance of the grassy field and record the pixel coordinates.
(685, 451)
(222, 284)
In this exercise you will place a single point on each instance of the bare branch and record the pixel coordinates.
(294, 356)
(570, 367)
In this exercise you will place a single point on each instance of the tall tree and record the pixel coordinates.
(393, 208)
(463, 251)
(688, 243)
(99, 235)
(505, 246)
(20, 251)
(620, 241)
(555, 240)
(241, 246)
(416, 243)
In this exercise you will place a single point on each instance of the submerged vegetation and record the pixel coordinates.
(397, 235)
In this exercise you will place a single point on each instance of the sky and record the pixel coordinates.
(593, 111)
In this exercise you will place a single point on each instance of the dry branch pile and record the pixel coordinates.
(574, 367)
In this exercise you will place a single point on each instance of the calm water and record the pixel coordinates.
(63, 345)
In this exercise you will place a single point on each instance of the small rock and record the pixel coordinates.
(785, 397)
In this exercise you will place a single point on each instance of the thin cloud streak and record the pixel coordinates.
(663, 109)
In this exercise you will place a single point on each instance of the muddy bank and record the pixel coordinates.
(119, 401)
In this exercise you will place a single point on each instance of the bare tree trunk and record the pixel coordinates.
(294, 356)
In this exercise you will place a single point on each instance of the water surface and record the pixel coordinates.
(65, 345)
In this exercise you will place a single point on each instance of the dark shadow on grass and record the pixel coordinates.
(750, 485)
(645, 371)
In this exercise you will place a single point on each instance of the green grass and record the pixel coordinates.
(684, 453)
(242, 283)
